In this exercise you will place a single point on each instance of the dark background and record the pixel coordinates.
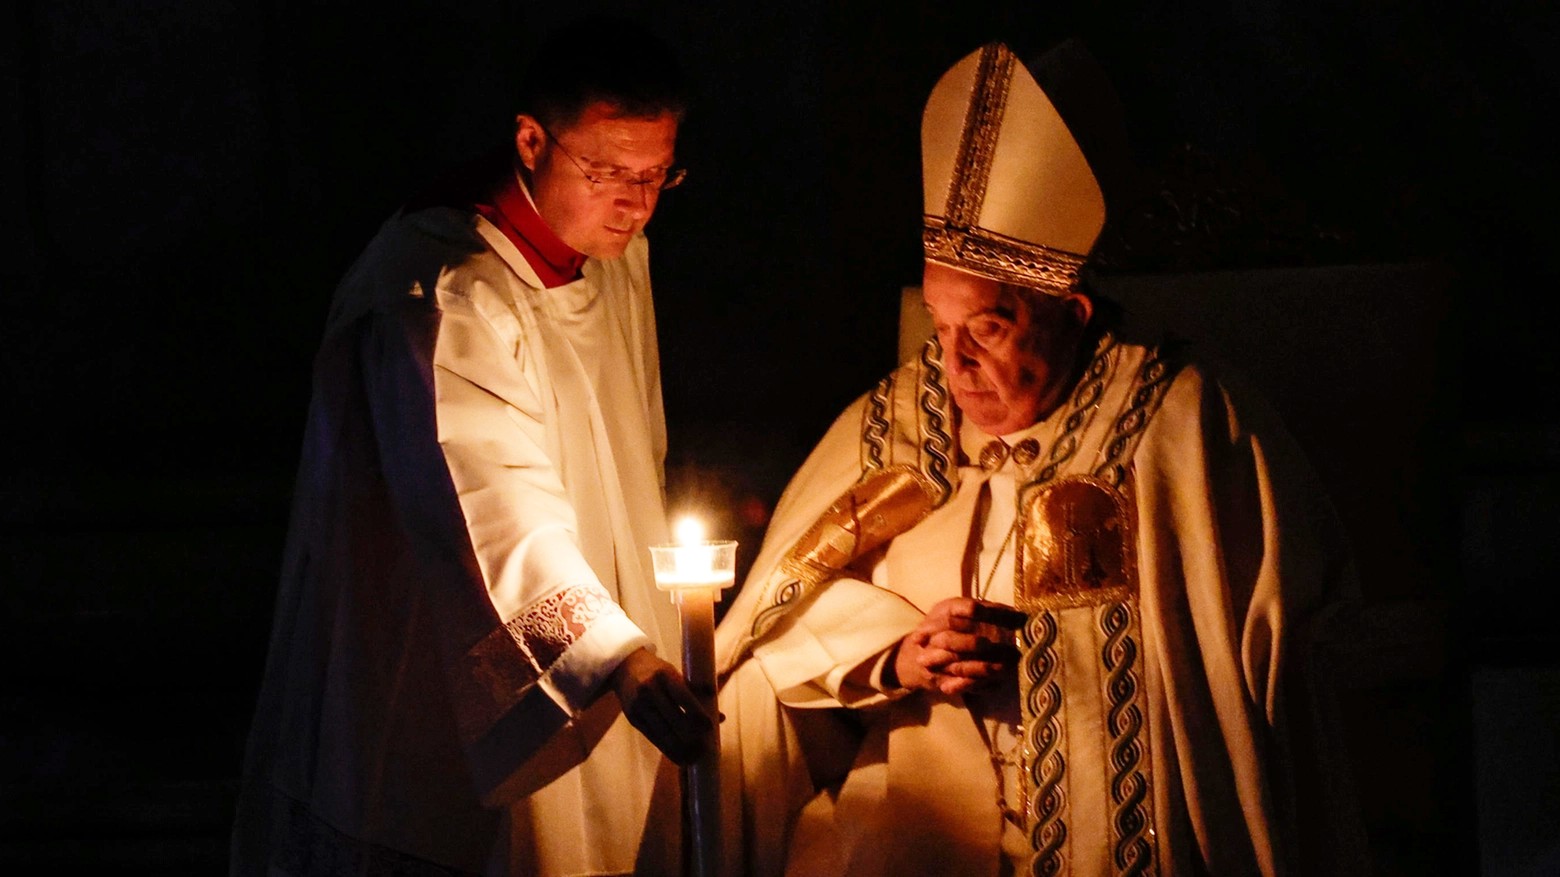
(1354, 200)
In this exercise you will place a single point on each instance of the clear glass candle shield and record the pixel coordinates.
(697, 565)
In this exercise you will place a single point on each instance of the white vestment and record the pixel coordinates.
(1214, 750)
(466, 564)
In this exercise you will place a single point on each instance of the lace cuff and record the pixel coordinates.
(574, 639)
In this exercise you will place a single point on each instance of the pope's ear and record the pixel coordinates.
(1080, 306)
(529, 138)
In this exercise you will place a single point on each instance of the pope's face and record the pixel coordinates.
(1008, 353)
(597, 219)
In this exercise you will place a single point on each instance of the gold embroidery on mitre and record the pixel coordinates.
(1007, 192)
(1077, 546)
(978, 142)
(1000, 257)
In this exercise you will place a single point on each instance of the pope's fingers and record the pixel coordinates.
(998, 614)
(934, 660)
(962, 623)
(973, 669)
(953, 610)
(974, 645)
(936, 624)
(963, 643)
(954, 684)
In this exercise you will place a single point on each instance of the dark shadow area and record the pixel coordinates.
(1354, 200)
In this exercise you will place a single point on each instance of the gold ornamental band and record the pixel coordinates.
(978, 141)
(1001, 258)
(1077, 542)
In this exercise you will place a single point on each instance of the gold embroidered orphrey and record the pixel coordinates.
(1077, 552)
(1077, 561)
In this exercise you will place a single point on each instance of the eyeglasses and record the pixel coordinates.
(619, 178)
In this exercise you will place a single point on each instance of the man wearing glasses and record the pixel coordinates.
(466, 574)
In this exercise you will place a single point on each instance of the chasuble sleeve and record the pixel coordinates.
(825, 654)
(832, 467)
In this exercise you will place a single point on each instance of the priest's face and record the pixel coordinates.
(597, 181)
(1009, 352)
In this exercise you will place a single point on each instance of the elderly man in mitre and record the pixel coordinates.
(1149, 706)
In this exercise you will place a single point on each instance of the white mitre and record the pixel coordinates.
(1008, 192)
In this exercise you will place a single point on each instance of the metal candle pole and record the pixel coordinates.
(695, 572)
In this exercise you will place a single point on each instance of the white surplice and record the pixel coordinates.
(467, 562)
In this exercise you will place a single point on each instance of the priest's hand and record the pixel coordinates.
(656, 699)
(961, 643)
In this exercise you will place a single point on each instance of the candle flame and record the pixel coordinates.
(689, 531)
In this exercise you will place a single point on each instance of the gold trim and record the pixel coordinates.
(1002, 258)
(936, 416)
(881, 506)
(1077, 545)
(1131, 792)
(1044, 744)
(1085, 402)
(978, 142)
(1153, 380)
(888, 499)
(875, 510)
(875, 424)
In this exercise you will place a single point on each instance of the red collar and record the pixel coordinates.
(508, 208)
(490, 186)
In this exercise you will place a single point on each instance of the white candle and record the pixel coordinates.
(695, 571)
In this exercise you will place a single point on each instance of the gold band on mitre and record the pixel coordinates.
(1008, 192)
(1009, 260)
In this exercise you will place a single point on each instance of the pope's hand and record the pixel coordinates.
(960, 643)
(657, 701)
